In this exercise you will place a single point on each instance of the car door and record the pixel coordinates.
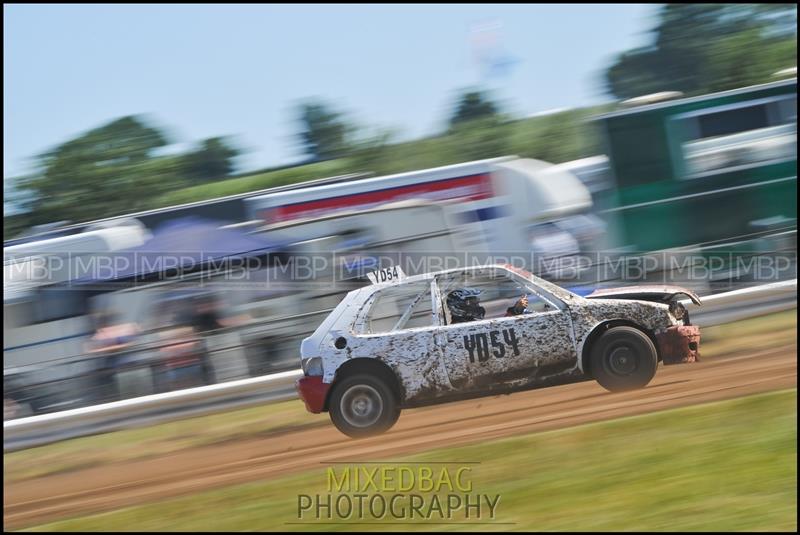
(398, 327)
(501, 350)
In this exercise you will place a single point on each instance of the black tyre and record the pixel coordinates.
(363, 405)
(623, 358)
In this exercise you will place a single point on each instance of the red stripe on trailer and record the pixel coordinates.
(473, 188)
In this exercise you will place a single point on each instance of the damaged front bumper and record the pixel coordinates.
(679, 344)
(313, 392)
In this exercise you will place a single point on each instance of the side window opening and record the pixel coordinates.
(58, 302)
(397, 308)
(761, 133)
(477, 296)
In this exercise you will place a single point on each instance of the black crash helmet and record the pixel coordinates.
(464, 304)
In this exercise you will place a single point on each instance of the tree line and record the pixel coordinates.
(122, 166)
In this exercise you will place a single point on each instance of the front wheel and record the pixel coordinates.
(363, 405)
(624, 358)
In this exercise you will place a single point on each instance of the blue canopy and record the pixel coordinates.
(178, 246)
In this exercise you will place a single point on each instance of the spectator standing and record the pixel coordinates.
(108, 350)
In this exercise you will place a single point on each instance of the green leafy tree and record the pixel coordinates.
(374, 153)
(473, 105)
(477, 128)
(212, 160)
(699, 48)
(737, 64)
(558, 137)
(324, 132)
(487, 137)
(16, 208)
(107, 171)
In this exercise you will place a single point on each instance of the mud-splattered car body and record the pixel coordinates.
(436, 359)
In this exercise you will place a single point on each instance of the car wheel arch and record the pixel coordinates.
(370, 366)
(599, 329)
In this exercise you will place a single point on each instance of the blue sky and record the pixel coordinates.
(208, 70)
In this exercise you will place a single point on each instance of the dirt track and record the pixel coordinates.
(57, 496)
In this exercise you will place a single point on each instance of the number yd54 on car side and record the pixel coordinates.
(476, 331)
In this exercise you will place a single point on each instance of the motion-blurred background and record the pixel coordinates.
(597, 145)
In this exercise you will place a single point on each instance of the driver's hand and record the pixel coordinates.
(523, 302)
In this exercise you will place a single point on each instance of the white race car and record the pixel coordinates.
(479, 331)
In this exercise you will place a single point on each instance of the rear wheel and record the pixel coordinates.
(624, 358)
(363, 405)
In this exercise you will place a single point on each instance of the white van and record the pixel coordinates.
(500, 206)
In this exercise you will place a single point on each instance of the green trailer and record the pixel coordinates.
(704, 170)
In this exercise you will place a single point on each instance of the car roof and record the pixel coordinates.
(432, 274)
(553, 288)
